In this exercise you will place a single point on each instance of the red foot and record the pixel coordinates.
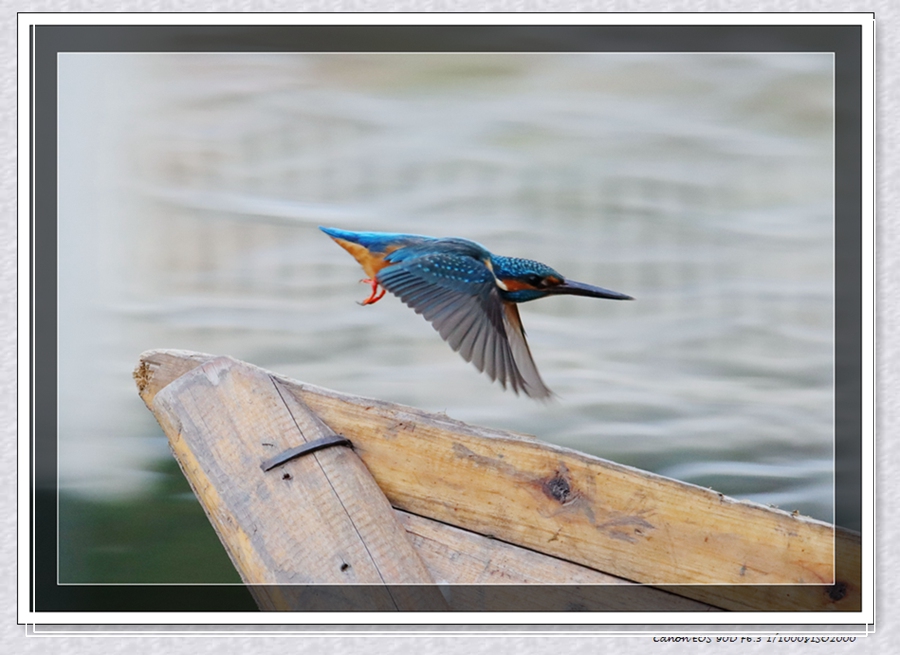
(375, 297)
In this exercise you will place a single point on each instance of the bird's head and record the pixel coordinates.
(521, 280)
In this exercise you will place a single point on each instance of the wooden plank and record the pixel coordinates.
(605, 516)
(462, 557)
(320, 518)
(612, 518)
(845, 594)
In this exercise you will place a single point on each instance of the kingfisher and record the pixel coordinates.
(468, 294)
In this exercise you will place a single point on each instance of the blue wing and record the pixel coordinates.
(458, 295)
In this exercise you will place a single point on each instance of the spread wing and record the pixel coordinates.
(458, 295)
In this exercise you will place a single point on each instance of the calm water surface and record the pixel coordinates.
(191, 188)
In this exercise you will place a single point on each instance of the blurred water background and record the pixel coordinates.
(191, 187)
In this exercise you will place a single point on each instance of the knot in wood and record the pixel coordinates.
(837, 591)
(558, 488)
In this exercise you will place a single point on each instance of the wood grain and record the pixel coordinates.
(607, 517)
(316, 519)
(612, 518)
(461, 557)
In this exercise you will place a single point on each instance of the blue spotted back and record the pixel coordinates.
(516, 267)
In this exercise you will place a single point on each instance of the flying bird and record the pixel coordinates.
(467, 293)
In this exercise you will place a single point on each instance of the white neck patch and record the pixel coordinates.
(497, 280)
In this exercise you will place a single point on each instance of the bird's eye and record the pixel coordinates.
(535, 280)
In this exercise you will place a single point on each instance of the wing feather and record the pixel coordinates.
(462, 302)
(528, 377)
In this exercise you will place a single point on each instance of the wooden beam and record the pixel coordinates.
(320, 518)
(492, 575)
(611, 518)
(626, 522)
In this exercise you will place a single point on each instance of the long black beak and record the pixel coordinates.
(570, 287)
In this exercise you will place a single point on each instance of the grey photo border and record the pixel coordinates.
(8, 266)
